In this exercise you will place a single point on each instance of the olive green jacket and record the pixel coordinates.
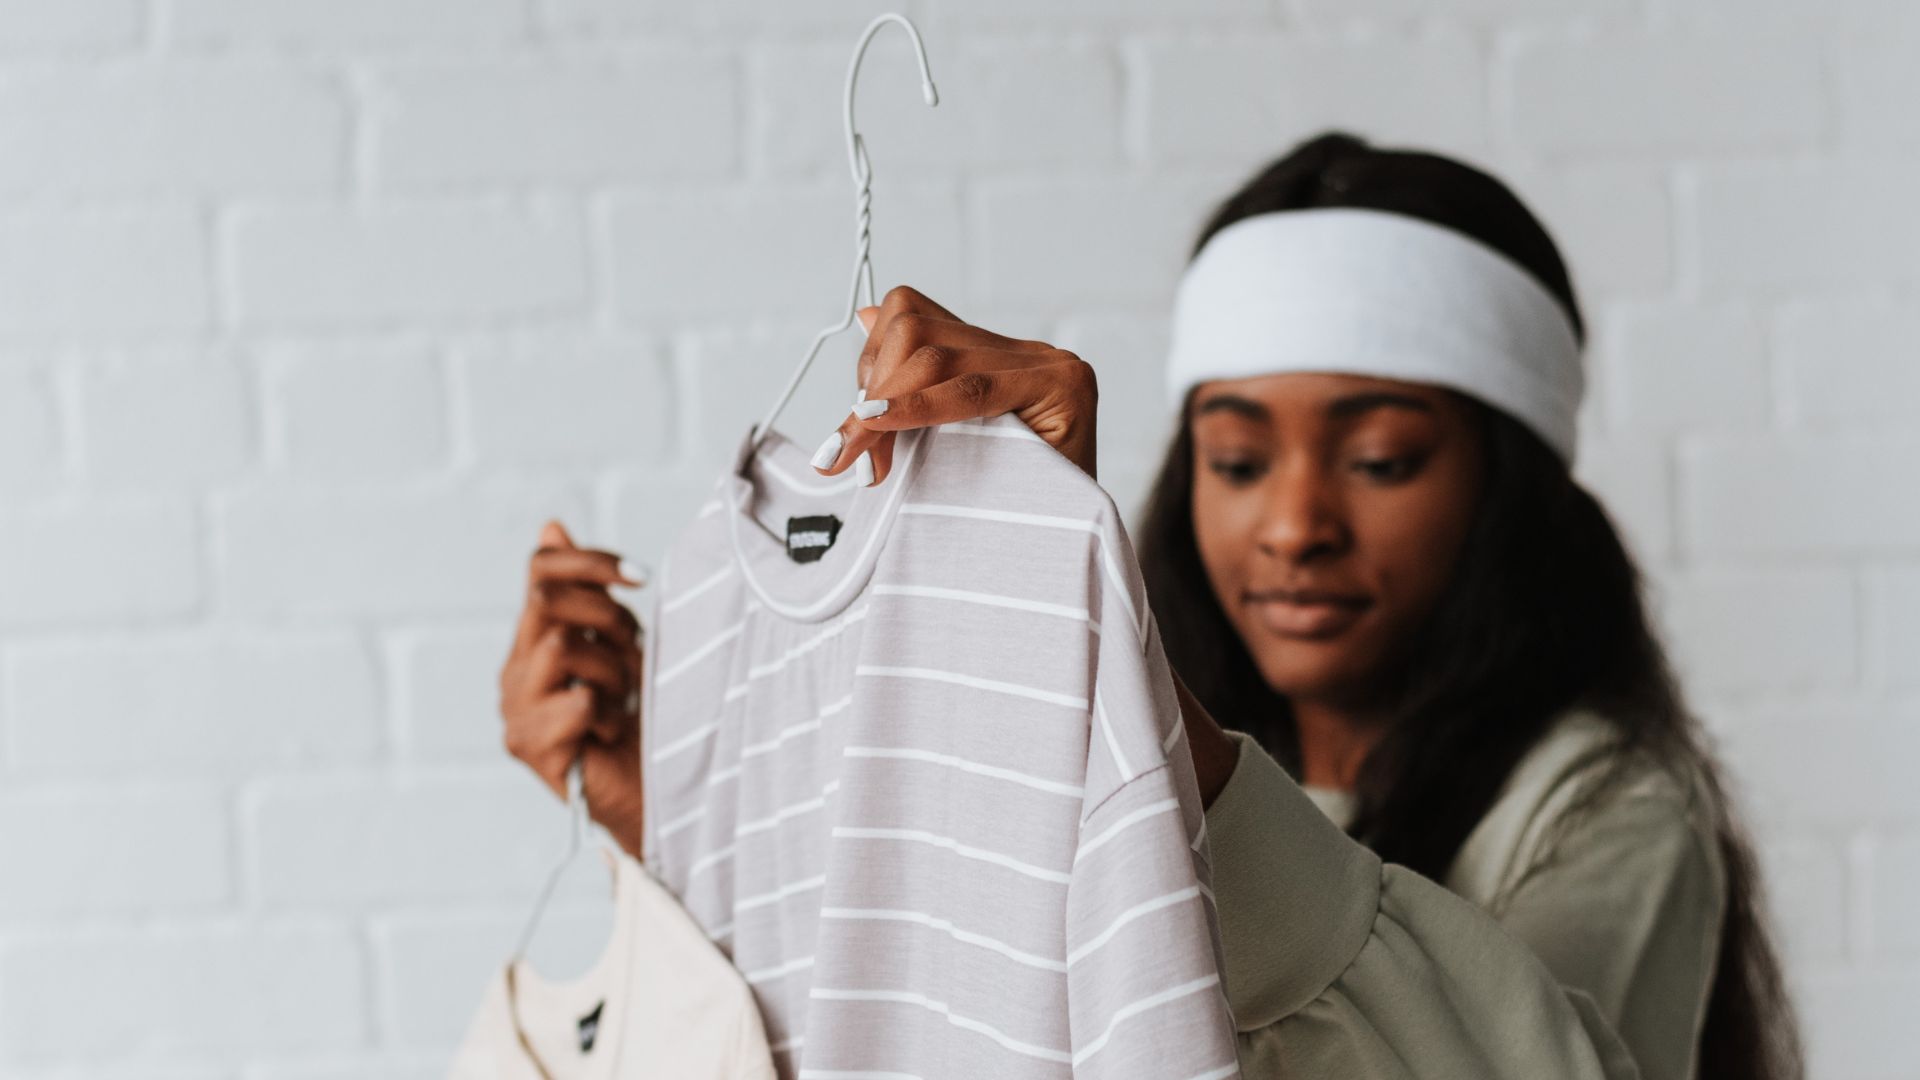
(1575, 936)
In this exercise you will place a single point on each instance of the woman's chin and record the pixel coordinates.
(1331, 676)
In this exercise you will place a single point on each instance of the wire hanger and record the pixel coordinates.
(863, 214)
(577, 828)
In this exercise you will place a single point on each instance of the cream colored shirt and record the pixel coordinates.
(1562, 945)
(661, 1001)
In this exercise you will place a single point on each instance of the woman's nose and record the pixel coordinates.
(1303, 518)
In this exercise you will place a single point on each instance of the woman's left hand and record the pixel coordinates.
(925, 366)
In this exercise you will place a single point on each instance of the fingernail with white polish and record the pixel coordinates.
(867, 410)
(633, 572)
(863, 469)
(861, 396)
(828, 451)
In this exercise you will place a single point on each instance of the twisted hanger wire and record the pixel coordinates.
(863, 222)
(862, 168)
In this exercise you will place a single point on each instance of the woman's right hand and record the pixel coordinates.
(930, 367)
(570, 687)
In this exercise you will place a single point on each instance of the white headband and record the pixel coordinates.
(1368, 292)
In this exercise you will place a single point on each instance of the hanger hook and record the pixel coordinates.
(863, 215)
(856, 146)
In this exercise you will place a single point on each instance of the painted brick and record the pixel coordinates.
(30, 431)
(326, 842)
(225, 704)
(180, 129)
(1763, 630)
(1849, 361)
(110, 275)
(1893, 623)
(396, 265)
(1137, 422)
(1835, 493)
(383, 553)
(1823, 765)
(1896, 895)
(1697, 94)
(1247, 100)
(1632, 480)
(1818, 229)
(569, 403)
(98, 563)
(33, 25)
(104, 850)
(1021, 106)
(176, 992)
(1873, 77)
(177, 419)
(449, 693)
(346, 412)
(1613, 224)
(1690, 368)
(349, 25)
(729, 254)
(1859, 1023)
(1047, 245)
(661, 115)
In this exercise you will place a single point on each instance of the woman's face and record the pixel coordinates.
(1330, 511)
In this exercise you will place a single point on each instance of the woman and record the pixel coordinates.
(1370, 560)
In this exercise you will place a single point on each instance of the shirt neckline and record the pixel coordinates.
(779, 482)
(611, 975)
(1338, 804)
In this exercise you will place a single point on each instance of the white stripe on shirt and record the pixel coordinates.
(682, 599)
(1113, 742)
(705, 650)
(761, 671)
(1144, 908)
(1014, 517)
(978, 683)
(969, 596)
(948, 843)
(946, 927)
(907, 997)
(1013, 776)
(1154, 809)
(1129, 1011)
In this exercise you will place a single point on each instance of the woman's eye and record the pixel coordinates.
(1387, 470)
(1237, 471)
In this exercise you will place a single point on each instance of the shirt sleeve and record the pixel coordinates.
(1145, 993)
(1626, 905)
(1340, 965)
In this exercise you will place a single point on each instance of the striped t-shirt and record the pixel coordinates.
(914, 760)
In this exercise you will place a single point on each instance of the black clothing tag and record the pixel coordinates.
(809, 537)
(590, 1027)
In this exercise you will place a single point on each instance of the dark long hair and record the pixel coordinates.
(1544, 613)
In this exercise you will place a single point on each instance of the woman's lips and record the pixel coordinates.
(1307, 614)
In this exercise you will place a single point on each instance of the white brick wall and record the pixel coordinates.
(312, 310)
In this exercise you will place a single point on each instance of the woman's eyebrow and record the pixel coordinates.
(1233, 403)
(1355, 404)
